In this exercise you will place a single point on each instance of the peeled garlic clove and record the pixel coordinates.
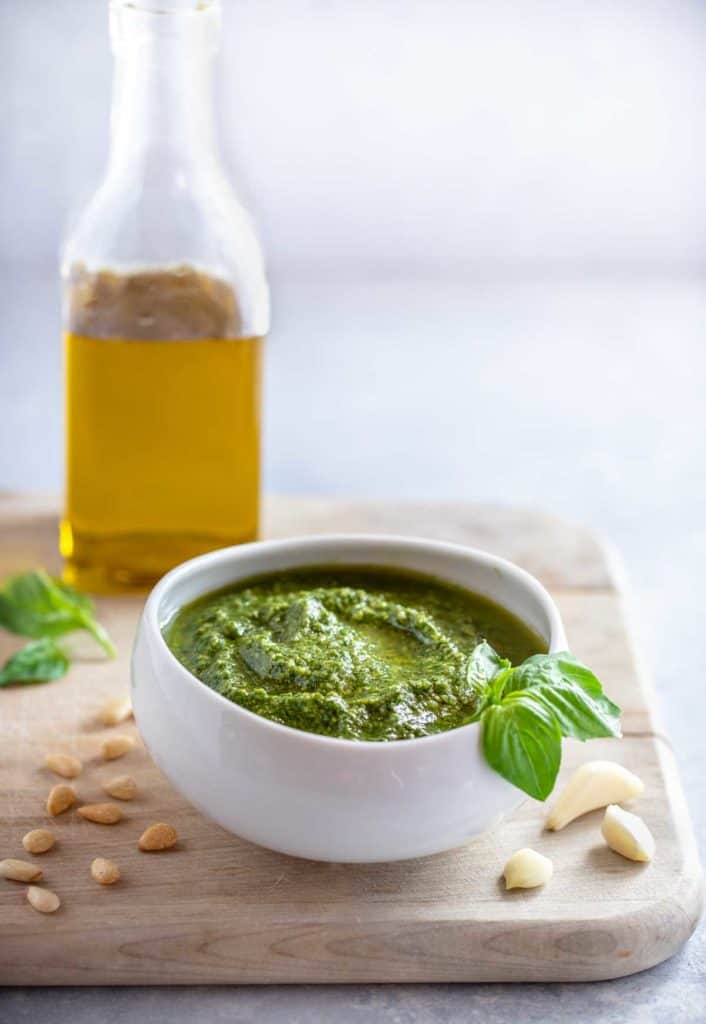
(593, 785)
(527, 869)
(627, 834)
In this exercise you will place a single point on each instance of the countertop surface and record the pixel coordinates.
(586, 399)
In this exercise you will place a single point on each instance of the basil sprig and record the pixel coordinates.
(526, 710)
(36, 605)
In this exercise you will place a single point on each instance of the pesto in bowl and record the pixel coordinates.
(362, 653)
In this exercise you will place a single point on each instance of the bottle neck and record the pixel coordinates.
(162, 116)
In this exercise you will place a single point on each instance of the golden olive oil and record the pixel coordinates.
(162, 453)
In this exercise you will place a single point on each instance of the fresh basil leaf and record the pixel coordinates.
(580, 674)
(540, 668)
(38, 662)
(82, 600)
(484, 665)
(522, 742)
(571, 691)
(33, 604)
(579, 716)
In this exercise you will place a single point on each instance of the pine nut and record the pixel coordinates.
(43, 900)
(60, 798)
(102, 814)
(117, 746)
(123, 787)
(19, 870)
(64, 764)
(105, 872)
(39, 840)
(116, 710)
(157, 837)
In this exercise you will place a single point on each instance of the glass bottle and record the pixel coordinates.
(165, 311)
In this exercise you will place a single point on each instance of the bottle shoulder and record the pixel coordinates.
(166, 217)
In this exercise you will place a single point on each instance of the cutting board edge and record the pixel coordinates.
(678, 916)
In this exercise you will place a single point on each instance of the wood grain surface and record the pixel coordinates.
(218, 909)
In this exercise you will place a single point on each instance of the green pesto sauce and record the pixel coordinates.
(360, 653)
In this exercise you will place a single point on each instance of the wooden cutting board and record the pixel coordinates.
(218, 909)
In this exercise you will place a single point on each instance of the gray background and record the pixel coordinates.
(485, 225)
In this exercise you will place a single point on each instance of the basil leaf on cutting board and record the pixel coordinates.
(35, 604)
(38, 662)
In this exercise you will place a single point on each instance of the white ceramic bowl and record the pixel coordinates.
(316, 796)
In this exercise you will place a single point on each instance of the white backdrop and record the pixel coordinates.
(402, 137)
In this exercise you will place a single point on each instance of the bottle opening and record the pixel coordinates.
(166, 6)
(181, 22)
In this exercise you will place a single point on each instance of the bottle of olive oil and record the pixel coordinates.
(165, 311)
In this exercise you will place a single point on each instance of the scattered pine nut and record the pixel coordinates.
(123, 787)
(117, 746)
(157, 837)
(39, 840)
(60, 798)
(105, 872)
(65, 765)
(43, 900)
(102, 814)
(20, 870)
(116, 710)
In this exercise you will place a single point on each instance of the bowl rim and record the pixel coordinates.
(202, 563)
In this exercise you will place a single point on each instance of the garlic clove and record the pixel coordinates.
(627, 834)
(527, 869)
(593, 785)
